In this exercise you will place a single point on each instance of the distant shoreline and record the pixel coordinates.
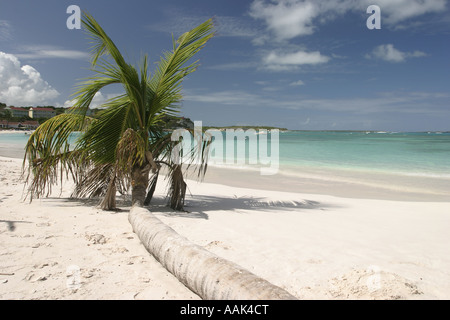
(3, 131)
(221, 128)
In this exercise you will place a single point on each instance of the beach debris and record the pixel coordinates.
(6, 273)
(45, 264)
(120, 250)
(145, 279)
(372, 284)
(135, 259)
(96, 238)
(4, 280)
(217, 243)
(89, 273)
(32, 277)
(43, 224)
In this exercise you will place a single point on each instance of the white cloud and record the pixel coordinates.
(297, 83)
(46, 52)
(388, 102)
(306, 122)
(288, 19)
(287, 61)
(233, 66)
(233, 27)
(5, 30)
(395, 11)
(97, 102)
(22, 85)
(232, 97)
(387, 52)
(100, 99)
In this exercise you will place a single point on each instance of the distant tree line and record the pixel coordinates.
(168, 122)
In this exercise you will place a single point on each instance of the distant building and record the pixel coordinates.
(18, 112)
(35, 113)
(24, 125)
(9, 124)
(30, 125)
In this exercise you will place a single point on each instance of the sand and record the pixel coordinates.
(313, 245)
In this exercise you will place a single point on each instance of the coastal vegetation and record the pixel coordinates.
(244, 128)
(125, 142)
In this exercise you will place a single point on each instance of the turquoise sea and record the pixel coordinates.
(421, 153)
(422, 157)
(410, 153)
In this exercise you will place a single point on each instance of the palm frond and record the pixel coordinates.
(172, 69)
(89, 87)
(122, 72)
(49, 151)
(99, 143)
(101, 42)
(131, 150)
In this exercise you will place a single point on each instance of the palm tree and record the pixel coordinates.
(125, 141)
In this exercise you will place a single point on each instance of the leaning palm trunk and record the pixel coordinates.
(207, 275)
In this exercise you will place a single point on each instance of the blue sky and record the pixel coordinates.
(299, 64)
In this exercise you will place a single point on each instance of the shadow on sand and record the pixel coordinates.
(197, 206)
(123, 202)
(11, 225)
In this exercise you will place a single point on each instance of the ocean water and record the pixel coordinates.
(411, 153)
(12, 145)
(416, 161)
(420, 154)
(412, 166)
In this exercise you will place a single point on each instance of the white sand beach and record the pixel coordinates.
(315, 246)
